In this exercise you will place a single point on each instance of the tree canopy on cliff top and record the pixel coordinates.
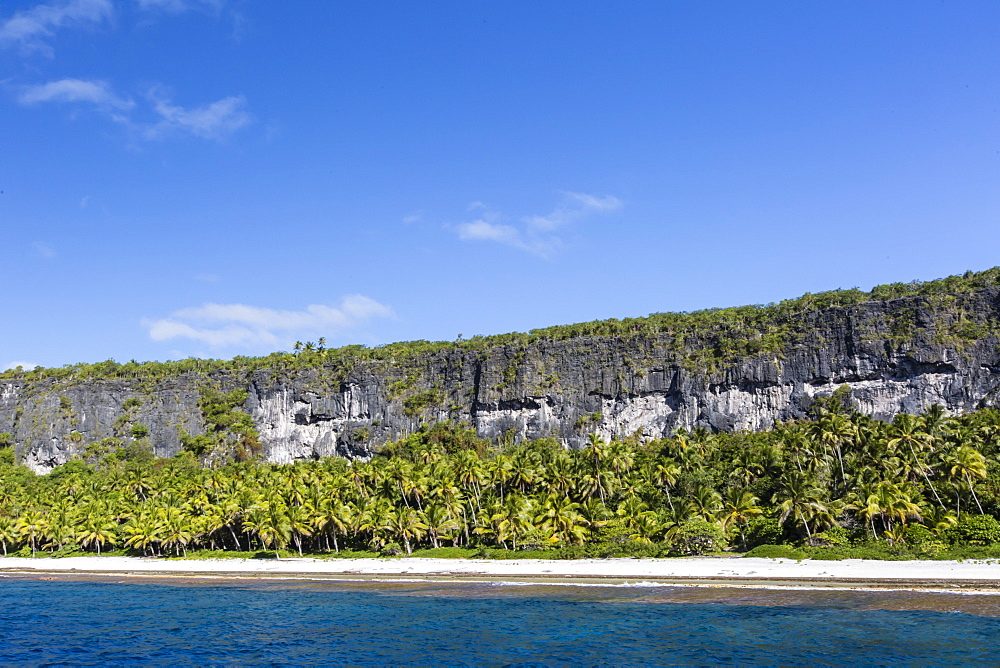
(726, 333)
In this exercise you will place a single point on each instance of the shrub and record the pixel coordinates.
(763, 531)
(832, 537)
(391, 550)
(914, 534)
(975, 530)
(447, 553)
(776, 552)
(697, 537)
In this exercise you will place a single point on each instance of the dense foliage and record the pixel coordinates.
(706, 338)
(921, 485)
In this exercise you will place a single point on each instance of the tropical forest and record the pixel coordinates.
(837, 484)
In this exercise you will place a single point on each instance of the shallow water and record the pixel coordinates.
(107, 621)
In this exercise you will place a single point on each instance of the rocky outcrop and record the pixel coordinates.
(900, 355)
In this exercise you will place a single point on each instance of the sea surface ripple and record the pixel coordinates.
(140, 621)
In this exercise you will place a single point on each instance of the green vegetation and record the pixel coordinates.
(415, 403)
(838, 485)
(702, 339)
(229, 430)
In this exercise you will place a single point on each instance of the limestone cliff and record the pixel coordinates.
(896, 355)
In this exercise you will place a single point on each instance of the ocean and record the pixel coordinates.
(127, 621)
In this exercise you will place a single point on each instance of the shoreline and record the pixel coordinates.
(739, 572)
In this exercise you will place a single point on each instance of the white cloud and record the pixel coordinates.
(536, 234)
(43, 250)
(412, 218)
(573, 207)
(486, 231)
(30, 29)
(177, 6)
(212, 121)
(27, 366)
(527, 240)
(236, 325)
(98, 93)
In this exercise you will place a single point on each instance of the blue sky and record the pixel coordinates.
(220, 177)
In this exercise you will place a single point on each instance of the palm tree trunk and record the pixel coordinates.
(923, 472)
(969, 480)
(840, 458)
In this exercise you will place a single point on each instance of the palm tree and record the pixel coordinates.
(832, 430)
(8, 533)
(630, 509)
(515, 520)
(437, 521)
(143, 531)
(175, 529)
(96, 530)
(645, 526)
(968, 463)
(300, 522)
(665, 475)
(906, 430)
(594, 514)
(707, 502)
(596, 453)
(738, 506)
(59, 524)
(866, 502)
(897, 504)
(333, 517)
(32, 525)
(406, 524)
(560, 518)
(270, 523)
(799, 500)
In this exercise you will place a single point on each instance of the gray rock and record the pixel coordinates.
(613, 386)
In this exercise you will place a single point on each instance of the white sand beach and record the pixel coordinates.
(732, 571)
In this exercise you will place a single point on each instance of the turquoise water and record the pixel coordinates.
(80, 622)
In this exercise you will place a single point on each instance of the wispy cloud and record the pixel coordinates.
(573, 207)
(27, 366)
(483, 230)
(216, 120)
(536, 234)
(239, 325)
(43, 250)
(97, 93)
(211, 121)
(31, 30)
(178, 6)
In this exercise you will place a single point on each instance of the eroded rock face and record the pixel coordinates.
(613, 386)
